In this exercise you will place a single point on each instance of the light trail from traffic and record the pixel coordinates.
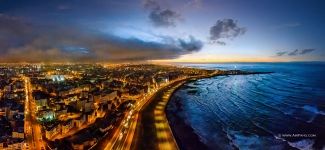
(34, 131)
(124, 136)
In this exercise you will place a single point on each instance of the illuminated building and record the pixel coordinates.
(57, 78)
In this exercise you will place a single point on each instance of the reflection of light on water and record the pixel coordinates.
(235, 67)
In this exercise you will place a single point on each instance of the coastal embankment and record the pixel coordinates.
(153, 129)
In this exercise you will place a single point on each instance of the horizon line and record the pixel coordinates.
(163, 62)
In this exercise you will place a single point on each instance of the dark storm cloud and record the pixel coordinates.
(295, 52)
(192, 45)
(225, 29)
(13, 32)
(161, 17)
(30, 43)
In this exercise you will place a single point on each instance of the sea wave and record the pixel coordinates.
(251, 111)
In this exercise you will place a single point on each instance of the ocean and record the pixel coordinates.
(281, 110)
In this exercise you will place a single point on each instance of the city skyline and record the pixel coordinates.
(161, 31)
(162, 74)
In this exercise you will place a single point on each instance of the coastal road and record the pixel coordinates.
(152, 130)
(124, 135)
(147, 127)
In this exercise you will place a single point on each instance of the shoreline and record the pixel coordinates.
(184, 134)
(181, 131)
(154, 130)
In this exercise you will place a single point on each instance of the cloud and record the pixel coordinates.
(295, 52)
(26, 42)
(11, 28)
(191, 45)
(225, 29)
(306, 51)
(218, 42)
(151, 4)
(281, 53)
(164, 18)
(221, 43)
(161, 17)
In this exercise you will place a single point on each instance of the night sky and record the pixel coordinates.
(162, 30)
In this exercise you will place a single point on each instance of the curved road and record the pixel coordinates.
(153, 131)
(146, 126)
